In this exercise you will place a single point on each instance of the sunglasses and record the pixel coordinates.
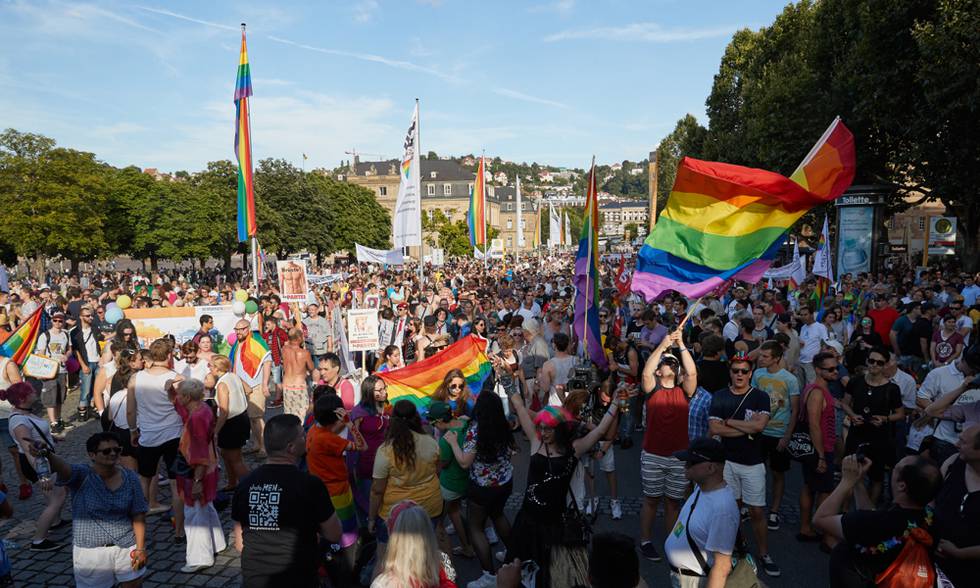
(829, 369)
(742, 371)
(109, 451)
(57, 320)
(878, 362)
(455, 386)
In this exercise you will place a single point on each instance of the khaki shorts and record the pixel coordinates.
(256, 403)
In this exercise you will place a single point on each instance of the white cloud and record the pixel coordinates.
(416, 48)
(208, 23)
(395, 63)
(561, 7)
(527, 97)
(365, 10)
(647, 32)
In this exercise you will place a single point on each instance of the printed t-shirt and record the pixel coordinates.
(325, 457)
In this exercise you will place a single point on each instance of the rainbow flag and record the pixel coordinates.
(587, 277)
(243, 147)
(417, 382)
(725, 222)
(250, 354)
(476, 218)
(19, 344)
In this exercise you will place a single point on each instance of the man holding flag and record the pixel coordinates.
(252, 362)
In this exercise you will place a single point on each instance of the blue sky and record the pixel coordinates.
(150, 83)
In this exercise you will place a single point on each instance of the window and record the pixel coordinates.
(469, 188)
(523, 205)
(447, 189)
(510, 206)
(429, 212)
(383, 191)
(510, 224)
(431, 190)
(922, 223)
(510, 242)
(432, 175)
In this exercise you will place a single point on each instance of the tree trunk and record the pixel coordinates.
(226, 262)
(39, 263)
(75, 263)
(967, 227)
(153, 263)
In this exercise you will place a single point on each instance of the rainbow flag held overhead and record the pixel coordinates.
(417, 382)
(476, 217)
(243, 147)
(247, 356)
(19, 344)
(727, 222)
(587, 277)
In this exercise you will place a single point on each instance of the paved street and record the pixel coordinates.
(803, 566)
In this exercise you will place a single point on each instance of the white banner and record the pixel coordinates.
(407, 220)
(324, 279)
(438, 257)
(183, 322)
(478, 254)
(821, 259)
(380, 256)
(794, 270)
(293, 283)
(554, 227)
(520, 225)
(362, 329)
(568, 231)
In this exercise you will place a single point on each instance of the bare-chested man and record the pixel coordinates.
(297, 365)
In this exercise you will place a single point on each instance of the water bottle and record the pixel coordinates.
(43, 467)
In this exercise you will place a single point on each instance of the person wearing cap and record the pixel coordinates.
(708, 521)
(453, 478)
(738, 415)
(54, 343)
(668, 390)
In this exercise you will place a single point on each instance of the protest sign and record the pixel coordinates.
(293, 283)
(183, 322)
(362, 329)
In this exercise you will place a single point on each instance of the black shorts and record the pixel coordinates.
(815, 481)
(125, 441)
(27, 468)
(148, 458)
(235, 432)
(779, 461)
(492, 499)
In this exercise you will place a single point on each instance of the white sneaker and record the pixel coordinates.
(450, 529)
(487, 580)
(492, 536)
(500, 556)
(588, 507)
(617, 509)
(595, 505)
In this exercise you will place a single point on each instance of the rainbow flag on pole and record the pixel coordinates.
(417, 382)
(19, 344)
(725, 222)
(587, 277)
(243, 147)
(476, 218)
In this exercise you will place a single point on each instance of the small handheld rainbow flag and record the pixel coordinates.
(243, 147)
(250, 354)
(19, 344)
(476, 217)
(418, 381)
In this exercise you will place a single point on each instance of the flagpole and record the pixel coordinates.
(483, 203)
(588, 260)
(418, 147)
(255, 256)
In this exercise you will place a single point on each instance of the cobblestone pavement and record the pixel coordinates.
(803, 565)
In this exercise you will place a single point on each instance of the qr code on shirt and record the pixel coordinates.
(263, 507)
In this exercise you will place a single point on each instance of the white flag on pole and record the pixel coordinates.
(568, 231)
(520, 227)
(821, 259)
(407, 221)
(554, 227)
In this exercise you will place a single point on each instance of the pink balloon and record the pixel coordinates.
(231, 338)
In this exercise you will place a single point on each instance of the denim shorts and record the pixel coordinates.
(5, 434)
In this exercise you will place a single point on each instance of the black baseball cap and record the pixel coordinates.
(701, 450)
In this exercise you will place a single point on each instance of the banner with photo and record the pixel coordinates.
(183, 322)
(293, 282)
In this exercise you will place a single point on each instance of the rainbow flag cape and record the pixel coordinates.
(725, 222)
(250, 353)
(243, 147)
(587, 277)
(476, 218)
(19, 344)
(417, 382)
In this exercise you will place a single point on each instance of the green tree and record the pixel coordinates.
(687, 139)
(452, 237)
(632, 231)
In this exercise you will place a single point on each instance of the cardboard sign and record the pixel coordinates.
(362, 329)
(293, 281)
(40, 367)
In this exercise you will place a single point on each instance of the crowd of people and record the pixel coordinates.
(868, 393)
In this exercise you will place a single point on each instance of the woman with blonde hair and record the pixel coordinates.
(455, 391)
(232, 427)
(413, 559)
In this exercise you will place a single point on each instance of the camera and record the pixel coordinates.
(861, 453)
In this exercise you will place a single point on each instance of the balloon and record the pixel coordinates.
(124, 301)
(238, 307)
(231, 338)
(112, 305)
(113, 315)
(251, 307)
(241, 295)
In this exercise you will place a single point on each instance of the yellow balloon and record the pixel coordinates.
(124, 302)
(241, 295)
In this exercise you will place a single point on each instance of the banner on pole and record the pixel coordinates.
(362, 329)
(379, 256)
(407, 220)
(293, 282)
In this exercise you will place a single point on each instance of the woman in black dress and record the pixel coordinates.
(538, 527)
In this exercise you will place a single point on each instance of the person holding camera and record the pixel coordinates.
(870, 540)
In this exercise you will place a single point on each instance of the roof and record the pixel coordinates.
(624, 204)
(446, 169)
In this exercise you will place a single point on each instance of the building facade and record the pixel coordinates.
(616, 215)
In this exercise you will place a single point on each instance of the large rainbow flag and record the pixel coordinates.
(250, 354)
(417, 382)
(243, 147)
(19, 344)
(725, 222)
(476, 217)
(587, 277)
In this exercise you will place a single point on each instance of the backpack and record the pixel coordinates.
(913, 567)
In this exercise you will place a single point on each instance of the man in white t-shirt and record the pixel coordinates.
(812, 335)
(709, 519)
(55, 344)
(945, 380)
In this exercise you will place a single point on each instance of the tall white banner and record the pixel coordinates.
(821, 259)
(554, 227)
(379, 256)
(407, 222)
(568, 231)
(520, 226)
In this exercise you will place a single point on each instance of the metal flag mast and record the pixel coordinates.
(588, 260)
(255, 243)
(418, 146)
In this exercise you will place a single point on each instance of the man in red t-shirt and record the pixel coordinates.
(668, 388)
(884, 316)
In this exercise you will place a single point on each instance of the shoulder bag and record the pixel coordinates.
(800, 446)
(743, 573)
